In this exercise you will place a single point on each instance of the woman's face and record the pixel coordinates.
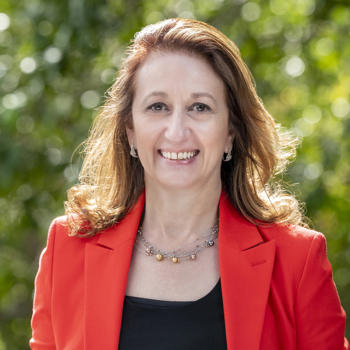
(180, 121)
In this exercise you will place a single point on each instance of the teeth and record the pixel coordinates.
(179, 155)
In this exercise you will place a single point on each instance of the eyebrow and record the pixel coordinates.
(155, 93)
(206, 94)
(195, 95)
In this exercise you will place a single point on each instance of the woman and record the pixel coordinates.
(176, 236)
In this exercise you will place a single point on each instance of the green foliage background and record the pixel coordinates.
(57, 58)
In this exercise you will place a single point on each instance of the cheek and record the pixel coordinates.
(144, 138)
(216, 137)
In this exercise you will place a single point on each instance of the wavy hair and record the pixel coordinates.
(111, 180)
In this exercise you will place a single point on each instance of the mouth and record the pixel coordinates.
(184, 155)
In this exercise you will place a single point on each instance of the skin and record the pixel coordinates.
(179, 105)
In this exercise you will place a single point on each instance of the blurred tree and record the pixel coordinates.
(57, 58)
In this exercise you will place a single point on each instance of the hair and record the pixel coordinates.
(111, 180)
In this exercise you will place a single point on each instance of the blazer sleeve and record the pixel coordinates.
(320, 318)
(42, 331)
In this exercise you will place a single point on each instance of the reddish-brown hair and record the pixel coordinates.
(111, 180)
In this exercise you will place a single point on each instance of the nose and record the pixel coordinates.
(176, 128)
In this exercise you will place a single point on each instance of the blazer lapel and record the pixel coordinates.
(107, 262)
(246, 264)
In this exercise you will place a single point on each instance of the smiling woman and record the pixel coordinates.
(172, 120)
(177, 235)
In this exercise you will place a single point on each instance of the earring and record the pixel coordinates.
(228, 156)
(133, 151)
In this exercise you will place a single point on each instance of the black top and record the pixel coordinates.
(169, 325)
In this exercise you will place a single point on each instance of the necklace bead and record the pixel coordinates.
(210, 243)
(159, 257)
(149, 251)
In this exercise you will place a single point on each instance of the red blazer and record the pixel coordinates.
(277, 287)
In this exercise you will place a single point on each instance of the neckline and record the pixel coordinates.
(157, 302)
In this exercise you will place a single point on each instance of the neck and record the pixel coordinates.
(180, 216)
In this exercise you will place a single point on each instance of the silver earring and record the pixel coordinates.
(133, 151)
(228, 156)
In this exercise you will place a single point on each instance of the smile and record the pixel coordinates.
(179, 155)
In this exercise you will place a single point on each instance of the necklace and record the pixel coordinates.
(178, 254)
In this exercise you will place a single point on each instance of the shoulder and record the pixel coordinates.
(65, 254)
(291, 235)
(59, 234)
(60, 223)
(297, 248)
(293, 240)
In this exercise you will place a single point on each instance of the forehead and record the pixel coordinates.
(177, 71)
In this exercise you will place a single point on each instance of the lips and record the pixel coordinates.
(183, 155)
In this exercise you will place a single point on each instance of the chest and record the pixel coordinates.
(165, 280)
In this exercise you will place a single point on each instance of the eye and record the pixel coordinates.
(156, 107)
(200, 107)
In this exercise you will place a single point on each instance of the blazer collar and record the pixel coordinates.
(246, 264)
(125, 230)
(107, 262)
